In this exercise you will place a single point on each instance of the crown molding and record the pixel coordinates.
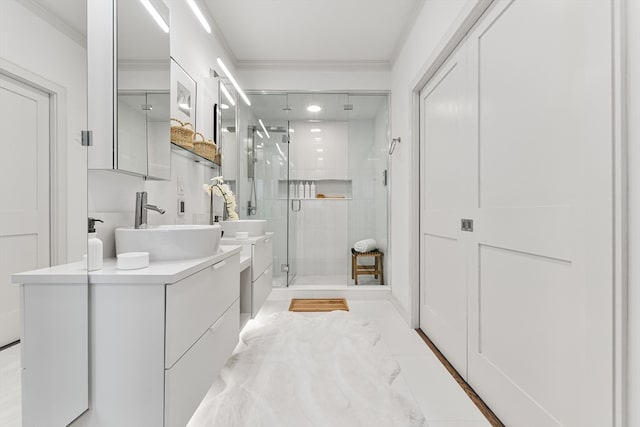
(55, 21)
(331, 65)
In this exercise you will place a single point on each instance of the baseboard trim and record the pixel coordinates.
(375, 293)
(406, 316)
(477, 400)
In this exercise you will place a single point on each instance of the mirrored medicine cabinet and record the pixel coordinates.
(129, 83)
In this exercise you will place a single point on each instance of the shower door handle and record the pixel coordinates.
(293, 204)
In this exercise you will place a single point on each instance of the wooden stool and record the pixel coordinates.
(375, 269)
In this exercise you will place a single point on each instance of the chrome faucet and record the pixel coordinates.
(141, 209)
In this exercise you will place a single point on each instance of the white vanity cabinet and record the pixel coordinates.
(256, 280)
(157, 347)
(158, 337)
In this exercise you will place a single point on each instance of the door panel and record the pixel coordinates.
(539, 260)
(24, 215)
(444, 198)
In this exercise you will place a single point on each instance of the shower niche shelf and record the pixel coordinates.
(332, 189)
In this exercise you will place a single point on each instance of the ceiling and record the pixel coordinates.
(317, 31)
(367, 32)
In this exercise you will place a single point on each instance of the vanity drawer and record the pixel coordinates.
(196, 302)
(261, 290)
(188, 381)
(262, 256)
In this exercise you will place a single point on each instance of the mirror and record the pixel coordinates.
(228, 134)
(129, 85)
(143, 63)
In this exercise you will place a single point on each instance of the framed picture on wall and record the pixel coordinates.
(183, 95)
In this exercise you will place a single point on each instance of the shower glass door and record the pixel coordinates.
(264, 155)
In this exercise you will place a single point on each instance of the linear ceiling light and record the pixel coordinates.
(227, 95)
(264, 128)
(155, 15)
(314, 108)
(199, 15)
(233, 81)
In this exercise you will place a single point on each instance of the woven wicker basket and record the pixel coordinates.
(204, 148)
(181, 135)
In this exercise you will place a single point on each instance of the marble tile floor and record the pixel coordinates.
(423, 378)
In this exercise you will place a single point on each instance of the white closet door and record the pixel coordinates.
(540, 259)
(445, 199)
(24, 210)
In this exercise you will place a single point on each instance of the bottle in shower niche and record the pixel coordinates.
(312, 190)
(292, 190)
(300, 190)
(306, 190)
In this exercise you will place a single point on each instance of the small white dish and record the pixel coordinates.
(242, 235)
(133, 260)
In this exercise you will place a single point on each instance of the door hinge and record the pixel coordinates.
(466, 225)
(86, 138)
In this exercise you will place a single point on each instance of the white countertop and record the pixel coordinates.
(157, 272)
(248, 241)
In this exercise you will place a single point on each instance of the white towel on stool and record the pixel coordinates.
(366, 245)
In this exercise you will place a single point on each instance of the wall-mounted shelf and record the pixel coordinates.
(193, 156)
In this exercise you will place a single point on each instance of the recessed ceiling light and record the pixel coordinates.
(316, 130)
(319, 150)
(224, 106)
(291, 130)
(314, 108)
(196, 11)
(156, 15)
(226, 93)
(320, 158)
(235, 84)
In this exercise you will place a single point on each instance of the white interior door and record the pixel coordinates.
(445, 199)
(540, 260)
(24, 211)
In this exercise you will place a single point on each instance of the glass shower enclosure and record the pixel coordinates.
(314, 165)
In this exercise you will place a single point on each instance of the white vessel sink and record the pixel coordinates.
(170, 242)
(255, 227)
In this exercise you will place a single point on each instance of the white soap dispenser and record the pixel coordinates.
(94, 247)
(300, 191)
(312, 190)
(306, 190)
